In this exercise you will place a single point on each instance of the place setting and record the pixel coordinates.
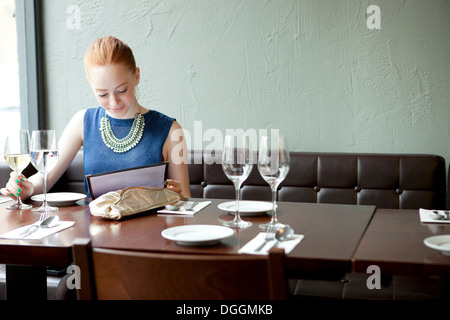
(247, 208)
(198, 235)
(438, 242)
(184, 207)
(282, 236)
(237, 163)
(44, 227)
(434, 216)
(273, 165)
(60, 199)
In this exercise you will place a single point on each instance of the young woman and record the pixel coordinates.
(150, 135)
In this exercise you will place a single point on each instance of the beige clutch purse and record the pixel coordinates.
(123, 203)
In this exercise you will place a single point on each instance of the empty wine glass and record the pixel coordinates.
(237, 163)
(17, 156)
(273, 165)
(44, 156)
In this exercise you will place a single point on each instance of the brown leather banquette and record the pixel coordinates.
(403, 181)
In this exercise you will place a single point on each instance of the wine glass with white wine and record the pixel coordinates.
(273, 165)
(17, 156)
(44, 156)
(237, 163)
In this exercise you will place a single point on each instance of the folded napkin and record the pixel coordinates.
(257, 241)
(38, 234)
(427, 216)
(197, 208)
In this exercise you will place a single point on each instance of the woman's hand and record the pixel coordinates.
(18, 186)
(173, 185)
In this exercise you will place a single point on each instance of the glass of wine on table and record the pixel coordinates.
(237, 163)
(17, 156)
(44, 156)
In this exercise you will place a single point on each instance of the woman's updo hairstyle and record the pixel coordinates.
(109, 50)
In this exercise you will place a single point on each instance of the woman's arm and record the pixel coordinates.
(175, 152)
(69, 144)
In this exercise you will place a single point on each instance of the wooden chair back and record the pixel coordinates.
(116, 274)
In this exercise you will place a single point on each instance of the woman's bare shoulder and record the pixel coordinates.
(80, 114)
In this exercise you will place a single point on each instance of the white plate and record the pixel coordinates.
(441, 243)
(197, 234)
(247, 208)
(60, 198)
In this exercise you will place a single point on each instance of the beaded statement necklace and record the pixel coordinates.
(127, 143)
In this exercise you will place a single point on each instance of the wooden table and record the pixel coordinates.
(394, 242)
(332, 233)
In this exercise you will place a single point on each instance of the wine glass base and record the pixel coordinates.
(45, 208)
(19, 207)
(277, 224)
(238, 224)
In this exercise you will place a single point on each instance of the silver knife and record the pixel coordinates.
(30, 230)
(27, 230)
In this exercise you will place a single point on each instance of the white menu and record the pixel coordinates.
(152, 175)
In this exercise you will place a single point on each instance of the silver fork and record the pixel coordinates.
(270, 235)
(189, 206)
(43, 216)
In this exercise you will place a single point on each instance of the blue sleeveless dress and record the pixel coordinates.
(98, 158)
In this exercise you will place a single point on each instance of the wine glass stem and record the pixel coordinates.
(237, 217)
(44, 189)
(19, 202)
(274, 202)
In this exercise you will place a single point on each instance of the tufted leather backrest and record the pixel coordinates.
(402, 181)
(73, 179)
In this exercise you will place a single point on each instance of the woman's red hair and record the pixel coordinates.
(109, 50)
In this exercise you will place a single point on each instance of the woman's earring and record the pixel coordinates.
(136, 93)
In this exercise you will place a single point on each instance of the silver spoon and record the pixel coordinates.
(439, 216)
(284, 233)
(50, 222)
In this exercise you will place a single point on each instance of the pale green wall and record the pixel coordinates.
(311, 68)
